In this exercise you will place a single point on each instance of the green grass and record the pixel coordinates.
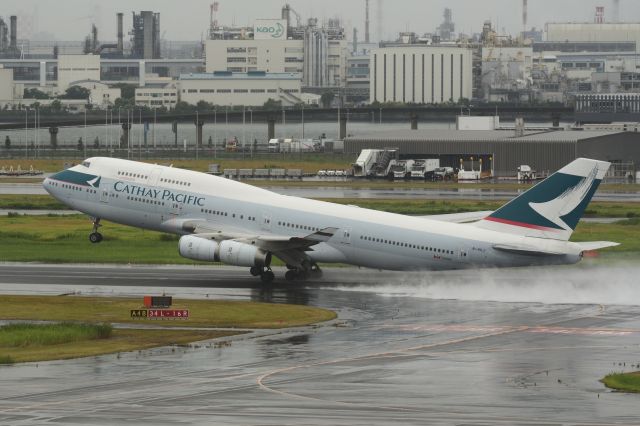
(202, 313)
(120, 340)
(410, 207)
(83, 324)
(6, 360)
(30, 202)
(627, 382)
(23, 335)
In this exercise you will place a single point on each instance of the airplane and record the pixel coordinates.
(222, 220)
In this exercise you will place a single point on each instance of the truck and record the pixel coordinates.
(401, 169)
(424, 169)
(526, 173)
(443, 173)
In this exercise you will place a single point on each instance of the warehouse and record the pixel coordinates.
(502, 151)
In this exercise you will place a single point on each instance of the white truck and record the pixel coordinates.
(424, 169)
(526, 173)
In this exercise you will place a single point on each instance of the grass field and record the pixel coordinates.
(84, 330)
(202, 313)
(64, 239)
(626, 382)
(411, 206)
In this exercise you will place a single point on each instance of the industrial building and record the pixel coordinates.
(503, 151)
(420, 74)
(250, 89)
(156, 97)
(318, 52)
(594, 32)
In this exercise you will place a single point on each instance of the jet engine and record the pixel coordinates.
(228, 252)
(197, 248)
(241, 254)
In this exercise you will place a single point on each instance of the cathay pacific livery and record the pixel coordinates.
(221, 220)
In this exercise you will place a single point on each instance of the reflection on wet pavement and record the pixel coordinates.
(490, 347)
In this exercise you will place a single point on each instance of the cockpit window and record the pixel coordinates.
(87, 164)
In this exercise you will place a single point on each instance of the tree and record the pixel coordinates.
(326, 98)
(55, 106)
(35, 94)
(96, 143)
(210, 142)
(76, 92)
(272, 104)
(184, 107)
(124, 103)
(127, 91)
(7, 143)
(204, 106)
(80, 144)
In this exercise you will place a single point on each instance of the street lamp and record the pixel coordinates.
(26, 133)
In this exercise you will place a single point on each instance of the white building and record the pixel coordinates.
(254, 55)
(592, 32)
(72, 68)
(420, 74)
(156, 97)
(101, 95)
(6, 85)
(506, 73)
(249, 89)
(317, 53)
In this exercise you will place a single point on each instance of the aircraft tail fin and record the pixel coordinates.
(552, 208)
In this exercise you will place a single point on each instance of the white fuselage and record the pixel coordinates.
(164, 198)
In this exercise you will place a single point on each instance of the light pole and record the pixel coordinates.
(252, 135)
(244, 138)
(302, 105)
(84, 145)
(26, 132)
(215, 131)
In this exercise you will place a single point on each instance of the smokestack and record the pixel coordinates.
(13, 37)
(616, 11)
(366, 22)
(524, 14)
(120, 33)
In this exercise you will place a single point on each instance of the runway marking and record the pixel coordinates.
(462, 328)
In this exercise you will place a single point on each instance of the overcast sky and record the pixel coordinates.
(189, 19)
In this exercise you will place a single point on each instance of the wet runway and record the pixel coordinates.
(473, 347)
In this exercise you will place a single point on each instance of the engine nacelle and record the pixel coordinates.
(240, 254)
(197, 248)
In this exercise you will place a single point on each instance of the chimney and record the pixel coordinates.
(13, 43)
(120, 33)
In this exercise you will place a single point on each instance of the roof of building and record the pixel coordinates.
(251, 75)
(439, 135)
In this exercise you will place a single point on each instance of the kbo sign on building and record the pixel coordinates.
(270, 29)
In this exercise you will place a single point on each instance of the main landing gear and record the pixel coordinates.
(266, 274)
(95, 237)
(300, 274)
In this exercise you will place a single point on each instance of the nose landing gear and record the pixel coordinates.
(95, 237)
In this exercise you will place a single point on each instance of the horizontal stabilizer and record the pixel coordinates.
(596, 245)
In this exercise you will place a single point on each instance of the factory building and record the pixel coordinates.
(73, 68)
(156, 97)
(317, 52)
(250, 89)
(420, 74)
(503, 151)
(6, 85)
(594, 32)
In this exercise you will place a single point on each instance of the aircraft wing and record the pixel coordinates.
(268, 242)
(459, 217)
